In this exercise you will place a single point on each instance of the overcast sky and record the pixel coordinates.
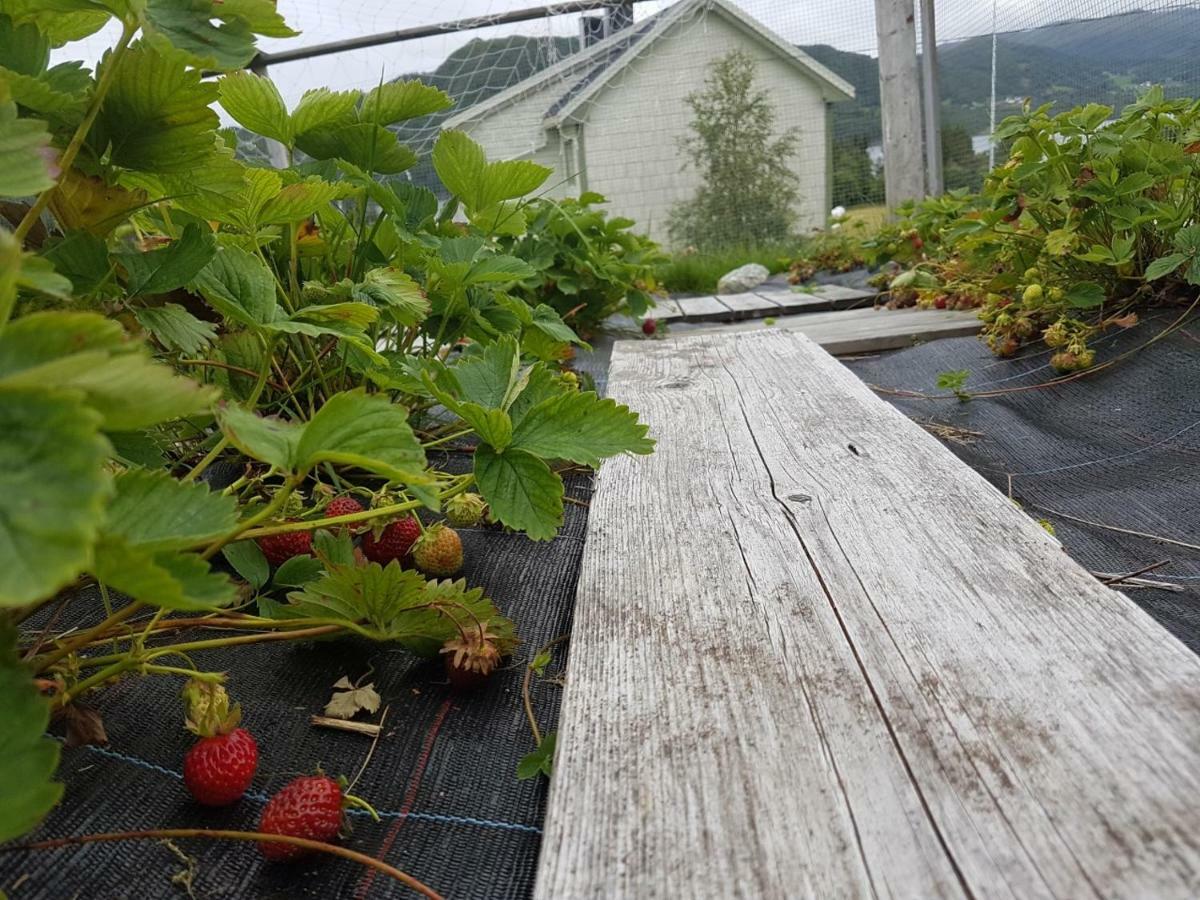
(846, 24)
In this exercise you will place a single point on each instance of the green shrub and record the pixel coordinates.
(585, 265)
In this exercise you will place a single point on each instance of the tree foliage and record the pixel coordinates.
(748, 192)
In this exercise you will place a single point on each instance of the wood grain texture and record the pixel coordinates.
(748, 305)
(702, 309)
(814, 655)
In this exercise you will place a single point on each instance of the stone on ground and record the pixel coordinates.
(742, 279)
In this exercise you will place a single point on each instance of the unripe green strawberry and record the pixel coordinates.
(438, 551)
(465, 510)
(1032, 295)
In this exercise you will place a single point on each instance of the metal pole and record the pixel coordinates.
(423, 31)
(899, 95)
(932, 102)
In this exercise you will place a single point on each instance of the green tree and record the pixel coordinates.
(748, 193)
(855, 180)
(962, 167)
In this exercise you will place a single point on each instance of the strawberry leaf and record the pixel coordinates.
(27, 758)
(157, 512)
(582, 428)
(521, 490)
(172, 267)
(52, 457)
(248, 561)
(181, 581)
(539, 761)
(465, 171)
(350, 702)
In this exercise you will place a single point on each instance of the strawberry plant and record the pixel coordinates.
(165, 307)
(1091, 218)
(586, 266)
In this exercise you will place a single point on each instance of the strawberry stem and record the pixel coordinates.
(221, 834)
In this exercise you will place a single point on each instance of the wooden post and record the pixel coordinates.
(931, 102)
(900, 98)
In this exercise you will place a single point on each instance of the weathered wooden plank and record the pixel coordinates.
(866, 330)
(816, 656)
(748, 305)
(841, 292)
(703, 309)
(664, 309)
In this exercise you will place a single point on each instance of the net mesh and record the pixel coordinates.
(623, 135)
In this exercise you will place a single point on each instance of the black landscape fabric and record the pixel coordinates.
(1117, 448)
(443, 776)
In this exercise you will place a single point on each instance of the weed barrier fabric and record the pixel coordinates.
(1120, 447)
(443, 776)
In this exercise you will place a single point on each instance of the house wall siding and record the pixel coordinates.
(633, 124)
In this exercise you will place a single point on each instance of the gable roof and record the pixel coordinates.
(579, 77)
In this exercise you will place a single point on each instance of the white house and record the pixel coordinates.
(609, 118)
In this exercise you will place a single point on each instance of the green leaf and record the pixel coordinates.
(298, 571)
(498, 269)
(582, 428)
(180, 581)
(269, 440)
(370, 147)
(521, 490)
(156, 116)
(189, 26)
(299, 201)
(248, 561)
(255, 103)
(176, 328)
(81, 257)
(27, 164)
(539, 761)
(27, 757)
(404, 299)
(489, 378)
(1085, 295)
(323, 108)
(539, 663)
(239, 286)
(155, 512)
(492, 425)
(1165, 265)
(58, 93)
(399, 100)
(463, 168)
(128, 389)
(394, 604)
(37, 274)
(60, 21)
(52, 490)
(367, 431)
(172, 267)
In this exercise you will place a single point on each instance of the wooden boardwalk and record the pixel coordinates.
(814, 655)
(770, 300)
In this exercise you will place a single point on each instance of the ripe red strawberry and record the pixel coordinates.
(343, 506)
(219, 769)
(394, 542)
(306, 807)
(279, 548)
(649, 326)
(220, 766)
(438, 551)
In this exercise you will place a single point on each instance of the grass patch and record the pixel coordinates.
(698, 273)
